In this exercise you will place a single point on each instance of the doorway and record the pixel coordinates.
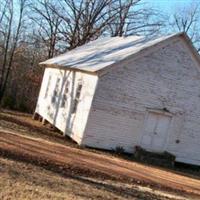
(155, 132)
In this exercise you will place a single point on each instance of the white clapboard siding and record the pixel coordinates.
(166, 78)
(62, 117)
(109, 130)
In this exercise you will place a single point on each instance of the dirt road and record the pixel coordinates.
(78, 161)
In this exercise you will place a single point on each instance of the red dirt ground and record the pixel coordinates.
(74, 161)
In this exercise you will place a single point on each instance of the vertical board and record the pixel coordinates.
(155, 132)
(161, 132)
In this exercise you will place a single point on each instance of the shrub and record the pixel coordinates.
(8, 102)
(119, 150)
(23, 107)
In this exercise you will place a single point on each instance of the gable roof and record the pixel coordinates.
(103, 52)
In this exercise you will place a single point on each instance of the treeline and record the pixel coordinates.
(32, 31)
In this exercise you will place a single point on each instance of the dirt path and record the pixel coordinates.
(82, 161)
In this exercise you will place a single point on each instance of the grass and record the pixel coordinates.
(25, 181)
(22, 181)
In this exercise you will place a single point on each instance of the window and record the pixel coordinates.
(56, 91)
(47, 88)
(64, 97)
(78, 93)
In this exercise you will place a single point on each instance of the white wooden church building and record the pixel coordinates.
(127, 91)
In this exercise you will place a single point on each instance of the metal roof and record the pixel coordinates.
(103, 52)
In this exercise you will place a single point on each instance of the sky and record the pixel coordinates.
(169, 5)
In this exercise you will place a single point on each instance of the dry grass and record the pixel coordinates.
(25, 181)
(21, 181)
(23, 123)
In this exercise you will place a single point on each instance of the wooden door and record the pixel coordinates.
(155, 132)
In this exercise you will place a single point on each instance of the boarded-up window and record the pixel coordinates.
(55, 96)
(77, 97)
(65, 93)
(47, 87)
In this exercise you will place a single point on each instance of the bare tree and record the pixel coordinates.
(7, 35)
(86, 20)
(47, 24)
(83, 20)
(135, 18)
(187, 19)
(11, 38)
